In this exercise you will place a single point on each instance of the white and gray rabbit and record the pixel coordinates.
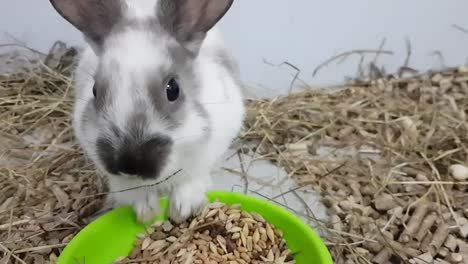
(156, 92)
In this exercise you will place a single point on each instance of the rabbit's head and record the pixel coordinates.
(143, 110)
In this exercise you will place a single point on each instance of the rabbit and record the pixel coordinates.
(158, 98)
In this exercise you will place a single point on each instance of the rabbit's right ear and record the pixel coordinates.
(94, 18)
(190, 20)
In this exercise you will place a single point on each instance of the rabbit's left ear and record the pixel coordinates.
(94, 18)
(190, 20)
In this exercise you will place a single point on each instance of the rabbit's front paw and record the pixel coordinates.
(144, 203)
(186, 201)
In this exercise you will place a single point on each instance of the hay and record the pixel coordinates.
(379, 153)
(42, 173)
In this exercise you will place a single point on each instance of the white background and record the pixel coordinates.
(302, 32)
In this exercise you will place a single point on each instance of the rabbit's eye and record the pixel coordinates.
(172, 90)
(94, 90)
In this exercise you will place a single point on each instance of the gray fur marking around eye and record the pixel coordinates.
(170, 112)
(179, 66)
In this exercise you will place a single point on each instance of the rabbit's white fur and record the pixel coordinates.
(220, 95)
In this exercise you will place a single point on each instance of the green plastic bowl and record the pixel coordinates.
(113, 234)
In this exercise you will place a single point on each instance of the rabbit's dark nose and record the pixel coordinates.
(135, 157)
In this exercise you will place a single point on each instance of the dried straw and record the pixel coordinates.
(42, 173)
(379, 153)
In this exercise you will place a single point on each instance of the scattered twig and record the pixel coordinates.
(460, 28)
(244, 173)
(32, 249)
(345, 55)
(381, 47)
(10, 254)
(405, 67)
(295, 68)
(133, 188)
(9, 225)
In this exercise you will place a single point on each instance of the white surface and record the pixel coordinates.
(246, 174)
(303, 32)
